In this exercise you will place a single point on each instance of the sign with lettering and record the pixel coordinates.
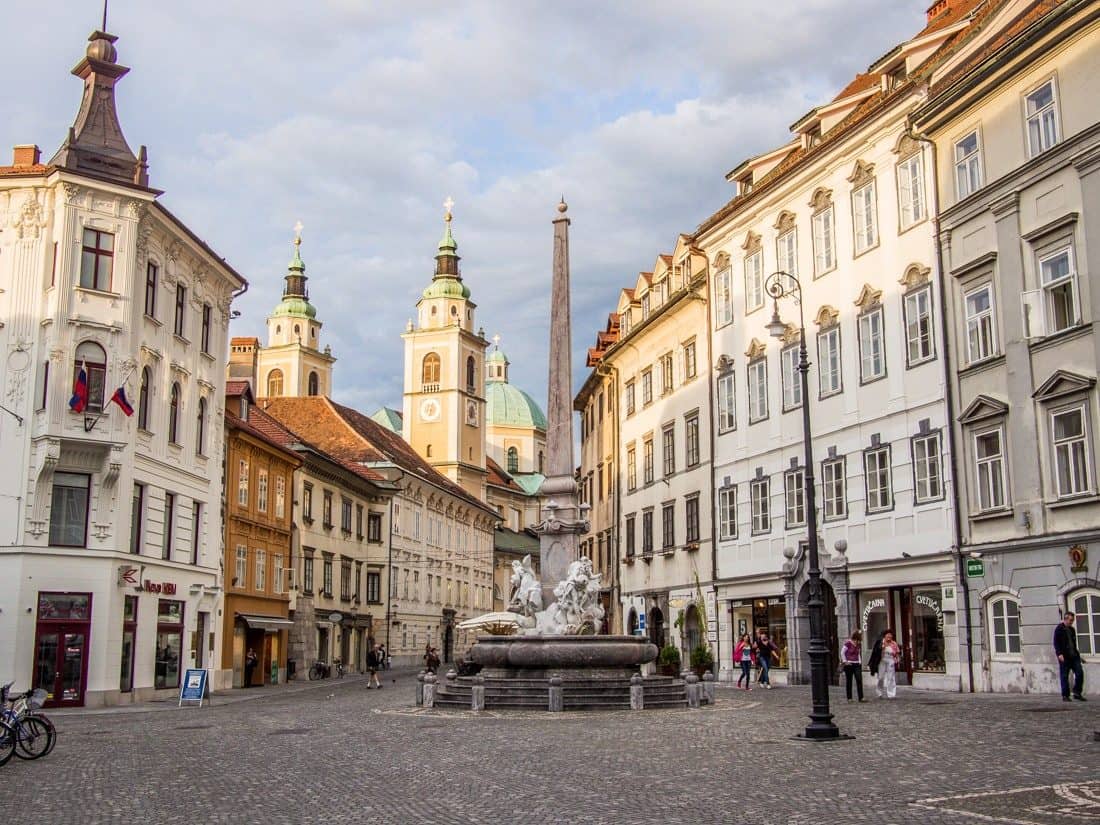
(873, 604)
(167, 588)
(193, 687)
(929, 602)
(975, 568)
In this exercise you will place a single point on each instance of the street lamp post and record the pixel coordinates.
(821, 727)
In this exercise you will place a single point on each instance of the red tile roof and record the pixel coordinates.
(498, 478)
(861, 83)
(30, 169)
(236, 423)
(956, 11)
(248, 339)
(235, 388)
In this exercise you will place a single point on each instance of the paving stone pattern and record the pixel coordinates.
(343, 754)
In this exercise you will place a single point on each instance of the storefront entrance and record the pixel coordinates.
(657, 627)
(831, 635)
(765, 613)
(61, 647)
(915, 614)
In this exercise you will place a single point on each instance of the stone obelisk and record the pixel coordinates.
(563, 521)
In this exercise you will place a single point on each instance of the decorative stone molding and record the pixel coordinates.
(29, 219)
(821, 199)
(862, 173)
(72, 192)
(869, 298)
(827, 316)
(136, 209)
(1006, 205)
(752, 242)
(721, 261)
(785, 222)
(791, 335)
(43, 482)
(150, 354)
(982, 408)
(915, 275)
(175, 250)
(906, 145)
(180, 369)
(1062, 383)
(756, 349)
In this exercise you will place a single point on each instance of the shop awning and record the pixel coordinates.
(273, 623)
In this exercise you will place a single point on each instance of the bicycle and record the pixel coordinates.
(339, 665)
(34, 735)
(319, 670)
(7, 742)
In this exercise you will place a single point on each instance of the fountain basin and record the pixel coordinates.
(570, 657)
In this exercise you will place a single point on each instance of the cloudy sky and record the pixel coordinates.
(359, 117)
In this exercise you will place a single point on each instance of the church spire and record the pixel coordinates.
(95, 143)
(296, 270)
(446, 262)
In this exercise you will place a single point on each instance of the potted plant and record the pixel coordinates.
(702, 660)
(669, 661)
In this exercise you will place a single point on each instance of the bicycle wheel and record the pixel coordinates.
(33, 738)
(314, 673)
(7, 742)
(46, 721)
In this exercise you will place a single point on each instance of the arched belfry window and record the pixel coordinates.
(430, 371)
(275, 383)
(471, 374)
(513, 460)
(313, 383)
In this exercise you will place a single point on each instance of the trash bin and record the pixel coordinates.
(290, 669)
(274, 671)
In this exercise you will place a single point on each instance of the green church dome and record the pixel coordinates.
(510, 406)
(295, 306)
(446, 288)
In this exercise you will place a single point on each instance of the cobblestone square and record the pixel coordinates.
(338, 753)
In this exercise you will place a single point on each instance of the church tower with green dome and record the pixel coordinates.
(292, 364)
(444, 403)
(515, 424)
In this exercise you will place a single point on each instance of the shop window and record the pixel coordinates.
(129, 636)
(169, 644)
(929, 650)
(1004, 626)
(69, 510)
(1085, 605)
(91, 358)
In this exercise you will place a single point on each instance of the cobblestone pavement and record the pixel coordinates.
(344, 754)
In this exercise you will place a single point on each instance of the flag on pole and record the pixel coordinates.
(80, 390)
(120, 398)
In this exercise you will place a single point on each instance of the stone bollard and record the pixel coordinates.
(708, 688)
(429, 690)
(477, 693)
(692, 690)
(637, 697)
(557, 698)
(420, 688)
(452, 674)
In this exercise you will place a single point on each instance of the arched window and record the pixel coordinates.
(200, 428)
(143, 398)
(1004, 625)
(274, 383)
(471, 374)
(91, 357)
(513, 460)
(1086, 606)
(174, 414)
(428, 452)
(313, 383)
(542, 460)
(430, 372)
(298, 330)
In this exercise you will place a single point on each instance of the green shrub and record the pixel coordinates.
(701, 658)
(670, 655)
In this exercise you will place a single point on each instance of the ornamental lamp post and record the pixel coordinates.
(821, 727)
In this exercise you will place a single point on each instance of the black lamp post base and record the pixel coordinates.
(828, 734)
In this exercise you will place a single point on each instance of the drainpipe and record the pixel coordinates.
(613, 372)
(389, 567)
(949, 397)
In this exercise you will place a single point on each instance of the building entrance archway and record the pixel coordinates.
(832, 636)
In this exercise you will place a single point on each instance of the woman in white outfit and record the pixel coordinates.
(888, 667)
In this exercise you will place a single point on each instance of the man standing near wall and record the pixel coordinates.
(1069, 658)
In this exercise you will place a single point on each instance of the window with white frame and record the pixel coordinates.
(794, 482)
(981, 337)
(690, 365)
(647, 461)
(280, 496)
(968, 165)
(1085, 605)
(872, 355)
(919, 342)
(876, 470)
(823, 240)
(786, 253)
(727, 512)
(629, 401)
(1041, 111)
(260, 580)
(757, 373)
(240, 568)
(760, 504)
(911, 191)
(792, 380)
(828, 361)
(1071, 451)
(242, 483)
(989, 469)
(261, 490)
(864, 217)
(631, 468)
(645, 307)
(1059, 281)
(727, 409)
(668, 449)
(666, 373)
(927, 468)
(723, 298)
(833, 490)
(277, 573)
(754, 281)
(647, 387)
(1004, 626)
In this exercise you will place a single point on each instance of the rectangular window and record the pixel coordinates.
(864, 217)
(989, 470)
(668, 449)
(758, 390)
(97, 260)
(792, 379)
(723, 298)
(260, 576)
(196, 530)
(668, 526)
(918, 326)
(833, 489)
(968, 166)
(629, 400)
(181, 306)
(374, 587)
(205, 339)
(1071, 461)
(647, 388)
(261, 490)
(69, 510)
(927, 468)
(374, 527)
(794, 487)
(690, 366)
(599, 483)
(911, 191)
(727, 410)
(137, 519)
(326, 576)
(1005, 628)
(42, 391)
(786, 253)
(1041, 107)
(691, 437)
(240, 569)
(647, 531)
(280, 496)
(307, 573)
(876, 469)
(1059, 280)
(277, 574)
(326, 509)
(981, 338)
(666, 373)
(345, 515)
(345, 580)
(151, 289)
(630, 546)
(169, 525)
(631, 469)
(828, 361)
(647, 461)
(754, 281)
(760, 503)
(872, 356)
(691, 517)
(242, 483)
(727, 512)
(645, 307)
(824, 250)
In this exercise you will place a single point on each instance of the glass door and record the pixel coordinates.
(60, 664)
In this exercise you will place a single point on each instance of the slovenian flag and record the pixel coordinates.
(123, 404)
(80, 390)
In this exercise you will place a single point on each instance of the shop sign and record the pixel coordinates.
(167, 588)
(872, 605)
(128, 575)
(335, 618)
(193, 688)
(641, 624)
(975, 568)
(925, 600)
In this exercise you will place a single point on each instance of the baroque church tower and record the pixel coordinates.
(444, 404)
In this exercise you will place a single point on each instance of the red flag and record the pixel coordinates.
(120, 398)
(80, 390)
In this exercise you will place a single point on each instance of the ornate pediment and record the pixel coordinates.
(869, 298)
(906, 145)
(756, 349)
(785, 222)
(790, 335)
(862, 173)
(983, 407)
(752, 242)
(827, 316)
(721, 261)
(915, 275)
(822, 198)
(1061, 383)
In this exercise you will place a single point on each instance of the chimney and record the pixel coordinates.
(938, 8)
(26, 154)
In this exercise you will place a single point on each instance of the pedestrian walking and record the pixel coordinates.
(743, 655)
(765, 649)
(887, 684)
(250, 662)
(433, 659)
(383, 657)
(1069, 658)
(373, 663)
(851, 657)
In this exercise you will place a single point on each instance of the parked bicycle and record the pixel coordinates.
(33, 735)
(319, 670)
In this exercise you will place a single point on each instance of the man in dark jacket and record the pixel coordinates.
(1069, 658)
(373, 664)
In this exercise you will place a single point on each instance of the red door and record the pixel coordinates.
(61, 647)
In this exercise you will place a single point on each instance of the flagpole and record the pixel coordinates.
(89, 427)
